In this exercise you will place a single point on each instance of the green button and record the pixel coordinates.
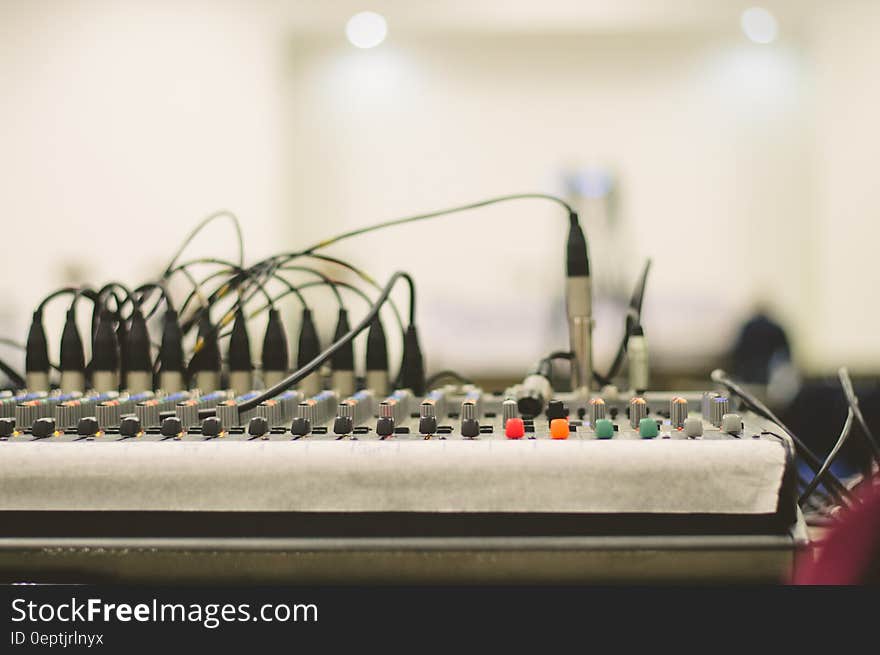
(604, 429)
(648, 428)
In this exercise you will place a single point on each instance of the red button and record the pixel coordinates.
(515, 428)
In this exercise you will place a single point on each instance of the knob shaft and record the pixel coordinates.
(597, 410)
(509, 410)
(718, 408)
(678, 411)
(638, 409)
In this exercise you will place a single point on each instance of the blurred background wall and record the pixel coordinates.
(744, 169)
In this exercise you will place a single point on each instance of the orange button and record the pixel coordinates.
(514, 428)
(559, 428)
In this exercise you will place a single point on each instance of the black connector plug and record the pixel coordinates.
(577, 260)
(241, 364)
(377, 347)
(122, 340)
(137, 344)
(276, 356)
(37, 348)
(412, 365)
(207, 359)
(171, 350)
(343, 359)
(309, 344)
(136, 354)
(104, 366)
(239, 353)
(72, 357)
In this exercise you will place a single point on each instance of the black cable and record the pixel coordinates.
(310, 252)
(14, 376)
(853, 401)
(545, 364)
(826, 465)
(267, 264)
(338, 283)
(253, 276)
(442, 375)
(129, 297)
(832, 482)
(804, 483)
(316, 363)
(218, 214)
(800, 478)
(633, 319)
(324, 278)
(75, 291)
(233, 284)
(442, 212)
(369, 280)
(242, 277)
(144, 290)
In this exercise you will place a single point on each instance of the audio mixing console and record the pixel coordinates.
(147, 464)
(365, 487)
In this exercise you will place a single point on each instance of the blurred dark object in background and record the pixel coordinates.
(761, 345)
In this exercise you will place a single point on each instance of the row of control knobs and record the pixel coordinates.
(393, 411)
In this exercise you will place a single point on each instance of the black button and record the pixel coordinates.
(171, 427)
(470, 427)
(258, 426)
(300, 426)
(343, 425)
(130, 426)
(87, 426)
(43, 427)
(385, 426)
(7, 427)
(211, 427)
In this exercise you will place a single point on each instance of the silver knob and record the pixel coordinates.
(678, 412)
(227, 414)
(148, 413)
(719, 407)
(468, 410)
(638, 409)
(509, 410)
(706, 403)
(187, 412)
(67, 414)
(597, 410)
(427, 409)
(308, 410)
